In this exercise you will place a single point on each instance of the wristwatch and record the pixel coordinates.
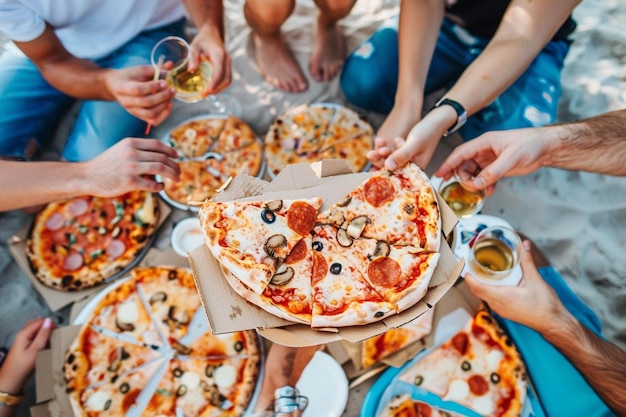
(461, 113)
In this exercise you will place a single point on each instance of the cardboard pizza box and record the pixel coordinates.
(57, 299)
(330, 180)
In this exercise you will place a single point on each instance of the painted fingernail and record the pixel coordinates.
(390, 164)
(47, 323)
(480, 182)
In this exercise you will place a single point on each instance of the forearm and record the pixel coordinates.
(596, 144)
(11, 382)
(207, 15)
(601, 363)
(25, 184)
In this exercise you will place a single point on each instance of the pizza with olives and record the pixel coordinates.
(81, 242)
(143, 349)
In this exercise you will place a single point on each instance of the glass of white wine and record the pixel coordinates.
(463, 202)
(495, 253)
(170, 58)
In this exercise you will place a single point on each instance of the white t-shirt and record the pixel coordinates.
(87, 28)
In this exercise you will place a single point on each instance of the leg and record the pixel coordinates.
(30, 107)
(531, 101)
(330, 46)
(101, 124)
(276, 63)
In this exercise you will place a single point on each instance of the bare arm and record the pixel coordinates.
(128, 165)
(597, 144)
(525, 29)
(534, 304)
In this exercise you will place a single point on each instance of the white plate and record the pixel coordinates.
(325, 383)
(186, 236)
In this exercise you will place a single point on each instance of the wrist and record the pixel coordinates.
(454, 108)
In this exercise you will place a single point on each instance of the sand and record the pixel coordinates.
(577, 219)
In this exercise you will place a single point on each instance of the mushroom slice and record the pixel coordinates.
(343, 238)
(157, 297)
(181, 349)
(125, 327)
(282, 276)
(274, 205)
(182, 318)
(273, 243)
(115, 359)
(336, 217)
(356, 226)
(344, 202)
(382, 249)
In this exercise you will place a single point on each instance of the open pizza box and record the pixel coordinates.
(51, 397)
(56, 299)
(331, 180)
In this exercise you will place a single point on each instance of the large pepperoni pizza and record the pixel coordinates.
(81, 242)
(367, 257)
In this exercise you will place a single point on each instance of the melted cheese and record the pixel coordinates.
(146, 212)
(97, 401)
(128, 313)
(225, 376)
(484, 405)
(190, 379)
(458, 390)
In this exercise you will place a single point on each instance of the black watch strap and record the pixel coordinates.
(461, 113)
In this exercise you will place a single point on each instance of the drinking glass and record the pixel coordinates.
(494, 253)
(170, 58)
(463, 202)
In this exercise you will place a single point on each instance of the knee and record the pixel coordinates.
(363, 85)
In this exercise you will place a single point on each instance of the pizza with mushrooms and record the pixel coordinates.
(81, 242)
(138, 352)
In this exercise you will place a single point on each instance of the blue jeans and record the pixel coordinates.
(561, 389)
(32, 108)
(370, 76)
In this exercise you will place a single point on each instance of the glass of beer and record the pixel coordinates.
(463, 202)
(494, 253)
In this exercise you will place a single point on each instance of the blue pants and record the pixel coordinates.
(32, 108)
(561, 389)
(370, 76)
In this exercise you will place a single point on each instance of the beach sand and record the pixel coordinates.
(577, 219)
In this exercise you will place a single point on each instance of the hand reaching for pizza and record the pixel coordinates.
(532, 303)
(20, 361)
(130, 165)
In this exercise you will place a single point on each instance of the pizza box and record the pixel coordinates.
(51, 398)
(56, 299)
(330, 180)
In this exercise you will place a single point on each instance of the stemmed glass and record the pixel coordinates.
(170, 58)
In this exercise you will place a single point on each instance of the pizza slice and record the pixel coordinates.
(171, 298)
(382, 346)
(346, 126)
(341, 295)
(288, 294)
(402, 405)
(252, 239)
(398, 207)
(236, 134)
(301, 130)
(94, 358)
(247, 159)
(117, 396)
(242, 343)
(195, 138)
(122, 313)
(199, 181)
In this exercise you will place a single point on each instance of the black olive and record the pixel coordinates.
(172, 274)
(77, 283)
(335, 268)
(379, 314)
(124, 388)
(418, 380)
(70, 358)
(178, 372)
(268, 216)
(494, 377)
(318, 246)
(466, 366)
(238, 346)
(107, 405)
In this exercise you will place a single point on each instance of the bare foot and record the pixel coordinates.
(329, 52)
(277, 65)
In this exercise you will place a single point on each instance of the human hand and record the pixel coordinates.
(130, 165)
(532, 302)
(136, 90)
(397, 125)
(481, 162)
(209, 45)
(20, 360)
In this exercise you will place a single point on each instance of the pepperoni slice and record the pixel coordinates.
(301, 217)
(320, 267)
(384, 271)
(478, 385)
(460, 342)
(73, 261)
(378, 191)
(298, 253)
(423, 409)
(55, 222)
(115, 249)
(78, 206)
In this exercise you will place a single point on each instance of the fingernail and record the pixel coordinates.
(47, 323)
(390, 164)
(480, 182)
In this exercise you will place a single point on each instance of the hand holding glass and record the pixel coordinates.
(463, 202)
(494, 253)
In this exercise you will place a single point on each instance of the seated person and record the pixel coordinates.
(98, 52)
(499, 61)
